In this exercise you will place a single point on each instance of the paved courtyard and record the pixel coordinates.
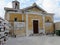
(34, 40)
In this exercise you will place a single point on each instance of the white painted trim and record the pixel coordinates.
(34, 13)
(36, 19)
(27, 25)
(53, 18)
(22, 16)
(49, 13)
(8, 17)
(44, 24)
(15, 12)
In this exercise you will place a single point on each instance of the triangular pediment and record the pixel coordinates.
(35, 8)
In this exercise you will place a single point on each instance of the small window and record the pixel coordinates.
(47, 20)
(15, 19)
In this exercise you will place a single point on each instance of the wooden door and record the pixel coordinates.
(35, 26)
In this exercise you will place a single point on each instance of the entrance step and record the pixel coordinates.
(40, 34)
(34, 35)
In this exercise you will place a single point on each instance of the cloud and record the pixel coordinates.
(9, 5)
(52, 6)
(2, 4)
(39, 2)
(48, 5)
(26, 3)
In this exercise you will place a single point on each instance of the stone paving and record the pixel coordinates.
(34, 40)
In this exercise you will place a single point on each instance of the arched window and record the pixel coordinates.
(16, 5)
(47, 20)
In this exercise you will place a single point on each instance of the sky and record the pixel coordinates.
(51, 6)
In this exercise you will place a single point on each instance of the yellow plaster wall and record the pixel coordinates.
(24, 17)
(20, 32)
(34, 9)
(32, 17)
(19, 18)
(15, 15)
(5, 17)
(49, 29)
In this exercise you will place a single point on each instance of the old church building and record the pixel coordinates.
(30, 20)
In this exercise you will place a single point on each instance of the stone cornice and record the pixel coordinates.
(40, 13)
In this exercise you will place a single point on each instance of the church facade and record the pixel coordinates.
(30, 20)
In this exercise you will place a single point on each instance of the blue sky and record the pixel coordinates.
(51, 6)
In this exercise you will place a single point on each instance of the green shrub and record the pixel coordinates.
(57, 32)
